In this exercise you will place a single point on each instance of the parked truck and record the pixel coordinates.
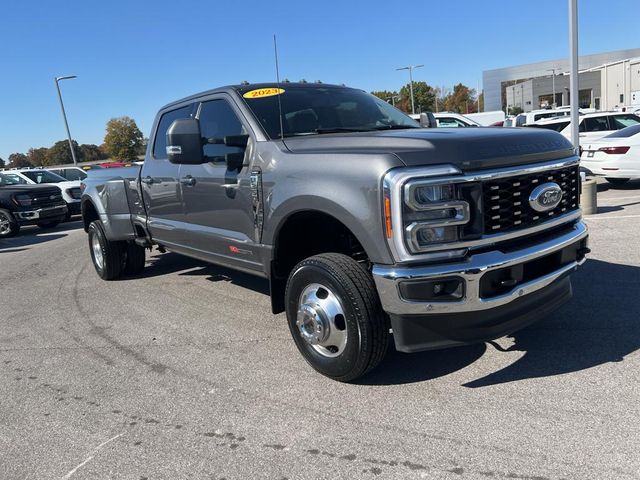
(367, 227)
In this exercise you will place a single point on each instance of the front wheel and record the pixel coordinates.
(9, 227)
(335, 317)
(108, 256)
(616, 181)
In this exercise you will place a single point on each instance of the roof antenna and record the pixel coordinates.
(275, 49)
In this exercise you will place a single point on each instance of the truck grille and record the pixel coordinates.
(506, 200)
(46, 198)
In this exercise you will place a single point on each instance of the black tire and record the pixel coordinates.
(616, 181)
(49, 223)
(365, 323)
(9, 227)
(110, 266)
(134, 258)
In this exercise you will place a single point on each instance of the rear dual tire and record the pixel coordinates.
(112, 259)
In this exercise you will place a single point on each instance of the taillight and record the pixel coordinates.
(614, 150)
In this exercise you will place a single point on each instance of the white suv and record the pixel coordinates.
(71, 192)
(592, 126)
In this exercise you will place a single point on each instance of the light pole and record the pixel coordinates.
(573, 54)
(553, 86)
(64, 115)
(410, 68)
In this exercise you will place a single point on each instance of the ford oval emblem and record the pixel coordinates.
(545, 197)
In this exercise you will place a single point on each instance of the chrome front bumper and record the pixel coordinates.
(387, 278)
(47, 212)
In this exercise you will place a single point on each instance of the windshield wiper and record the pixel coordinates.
(394, 127)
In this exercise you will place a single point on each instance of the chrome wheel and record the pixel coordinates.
(321, 320)
(5, 224)
(97, 251)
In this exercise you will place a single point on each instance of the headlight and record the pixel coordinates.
(23, 200)
(432, 214)
(74, 193)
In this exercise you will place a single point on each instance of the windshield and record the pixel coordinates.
(43, 176)
(556, 126)
(625, 132)
(6, 180)
(318, 110)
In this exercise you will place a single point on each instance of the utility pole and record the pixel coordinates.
(410, 68)
(64, 115)
(573, 50)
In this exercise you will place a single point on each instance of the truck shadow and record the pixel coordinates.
(173, 263)
(33, 235)
(630, 185)
(599, 325)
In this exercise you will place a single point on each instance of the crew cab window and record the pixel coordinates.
(71, 174)
(595, 124)
(218, 120)
(160, 142)
(622, 121)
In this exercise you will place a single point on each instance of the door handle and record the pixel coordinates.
(188, 180)
(147, 180)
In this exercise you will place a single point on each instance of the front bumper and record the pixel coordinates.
(32, 216)
(74, 207)
(545, 264)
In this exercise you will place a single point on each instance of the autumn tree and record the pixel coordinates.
(90, 152)
(19, 160)
(38, 156)
(123, 140)
(461, 100)
(60, 153)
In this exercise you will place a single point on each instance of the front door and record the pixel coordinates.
(217, 202)
(161, 188)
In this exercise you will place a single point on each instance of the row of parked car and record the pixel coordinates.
(36, 196)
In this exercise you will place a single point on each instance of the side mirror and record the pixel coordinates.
(428, 120)
(184, 142)
(236, 141)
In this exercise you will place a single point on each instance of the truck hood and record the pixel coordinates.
(466, 148)
(48, 188)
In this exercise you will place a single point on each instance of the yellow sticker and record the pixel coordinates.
(263, 92)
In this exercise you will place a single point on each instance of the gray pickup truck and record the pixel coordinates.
(367, 226)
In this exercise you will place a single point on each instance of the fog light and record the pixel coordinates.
(441, 290)
(429, 235)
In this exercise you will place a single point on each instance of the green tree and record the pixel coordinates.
(90, 152)
(38, 156)
(123, 140)
(19, 160)
(461, 100)
(2, 163)
(387, 96)
(515, 110)
(424, 96)
(60, 153)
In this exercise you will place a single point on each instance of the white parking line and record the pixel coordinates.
(95, 450)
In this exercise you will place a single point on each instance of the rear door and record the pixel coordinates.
(217, 202)
(160, 185)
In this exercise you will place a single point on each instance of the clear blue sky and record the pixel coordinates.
(132, 56)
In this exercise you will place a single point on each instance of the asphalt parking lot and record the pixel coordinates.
(184, 373)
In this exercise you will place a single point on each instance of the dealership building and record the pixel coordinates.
(606, 80)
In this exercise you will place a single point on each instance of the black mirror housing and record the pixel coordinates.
(236, 141)
(184, 142)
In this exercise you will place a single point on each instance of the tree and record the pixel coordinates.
(38, 156)
(60, 153)
(123, 140)
(19, 160)
(424, 97)
(90, 152)
(461, 100)
(2, 163)
(387, 96)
